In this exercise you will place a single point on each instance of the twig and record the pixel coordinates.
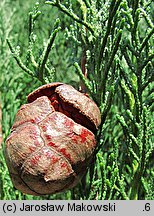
(146, 39)
(71, 14)
(113, 8)
(84, 80)
(109, 63)
(126, 56)
(41, 65)
(18, 59)
(144, 63)
(46, 52)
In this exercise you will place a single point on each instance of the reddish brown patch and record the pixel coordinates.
(52, 144)
(32, 149)
(66, 113)
(35, 159)
(54, 101)
(45, 90)
(44, 127)
(36, 143)
(63, 151)
(69, 123)
(75, 138)
(65, 154)
(32, 121)
(48, 137)
(84, 135)
(64, 165)
(54, 159)
(60, 109)
(60, 105)
(64, 107)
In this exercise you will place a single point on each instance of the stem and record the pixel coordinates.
(109, 63)
(105, 112)
(146, 39)
(112, 11)
(143, 65)
(135, 187)
(18, 59)
(46, 52)
(82, 77)
(30, 55)
(127, 58)
(71, 14)
(84, 70)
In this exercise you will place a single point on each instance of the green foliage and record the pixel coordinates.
(116, 39)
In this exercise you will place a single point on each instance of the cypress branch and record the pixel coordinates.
(71, 14)
(146, 39)
(146, 83)
(127, 58)
(84, 80)
(134, 32)
(147, 18)
(113, 9)
(47, 50)
(109, 63)
(87, 3)
(144, 63)
(18, 59)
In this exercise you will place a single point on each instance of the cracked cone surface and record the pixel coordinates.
(50, 147)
